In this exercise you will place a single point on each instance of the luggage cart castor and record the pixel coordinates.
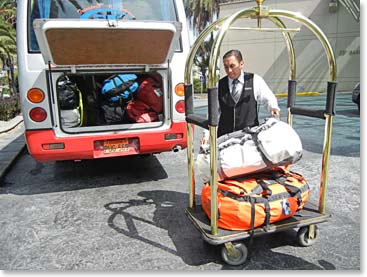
(236, 253)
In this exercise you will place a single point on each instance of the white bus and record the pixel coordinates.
(70, 51)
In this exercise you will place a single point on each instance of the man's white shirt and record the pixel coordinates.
(262, 93)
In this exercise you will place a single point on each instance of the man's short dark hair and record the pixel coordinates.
(236, 53)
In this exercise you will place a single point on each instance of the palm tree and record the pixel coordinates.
(8, 11)
(201, 59)
(201, 13)
(8, 39)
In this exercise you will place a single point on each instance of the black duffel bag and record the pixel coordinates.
(114, 113)
(67, 94)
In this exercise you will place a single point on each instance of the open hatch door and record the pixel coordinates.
(98, 42)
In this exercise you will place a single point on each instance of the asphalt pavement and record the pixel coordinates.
(58, 245)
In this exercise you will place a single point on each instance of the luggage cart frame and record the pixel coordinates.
(234, 252)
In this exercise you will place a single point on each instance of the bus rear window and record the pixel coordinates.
(156, 10)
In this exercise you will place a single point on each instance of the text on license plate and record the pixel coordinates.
(117, 145)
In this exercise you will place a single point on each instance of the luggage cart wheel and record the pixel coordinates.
(307, 235)
(234, 253)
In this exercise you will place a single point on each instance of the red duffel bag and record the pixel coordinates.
(150, 92)
(140, 112)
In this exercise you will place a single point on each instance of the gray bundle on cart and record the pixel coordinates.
(272, 143)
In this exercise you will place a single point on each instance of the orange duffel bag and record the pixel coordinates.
(258, 200)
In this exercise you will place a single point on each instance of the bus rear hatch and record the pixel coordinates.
(69, 42)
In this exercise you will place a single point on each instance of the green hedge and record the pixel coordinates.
(197, 86)
(9, 107)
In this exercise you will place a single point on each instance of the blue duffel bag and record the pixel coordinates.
(107, 13)
(119, 87)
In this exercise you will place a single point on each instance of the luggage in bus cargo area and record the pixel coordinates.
(69, 99)
(87, 100)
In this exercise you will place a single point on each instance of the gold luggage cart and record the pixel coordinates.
(233, 250)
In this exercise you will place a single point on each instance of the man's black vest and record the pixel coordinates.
(234, 116)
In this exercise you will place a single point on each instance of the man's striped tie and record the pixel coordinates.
(235, 92)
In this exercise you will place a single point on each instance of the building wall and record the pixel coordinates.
(266, 53)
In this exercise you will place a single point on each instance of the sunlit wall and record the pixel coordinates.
(267, 55)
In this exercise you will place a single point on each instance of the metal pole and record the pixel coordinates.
(213, 180)
(190, 164)
(325, 163)
(196, 45)
(189, 127)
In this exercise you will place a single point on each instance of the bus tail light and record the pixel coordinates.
(35, 95)
(180, 106)
(180, 89)
(38, 114)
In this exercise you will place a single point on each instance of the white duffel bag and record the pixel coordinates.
(272, 143)
(70, 118)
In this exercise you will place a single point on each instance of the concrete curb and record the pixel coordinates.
(12, 143)
(11, 157)
(305, 93)
(11, 124)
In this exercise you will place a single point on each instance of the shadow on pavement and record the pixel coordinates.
(188, 243)
(69, 175)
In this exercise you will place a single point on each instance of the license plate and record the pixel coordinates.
(115, 146)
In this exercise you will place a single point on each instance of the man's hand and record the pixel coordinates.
(205, 138)
(204, 141)
(275, 113)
